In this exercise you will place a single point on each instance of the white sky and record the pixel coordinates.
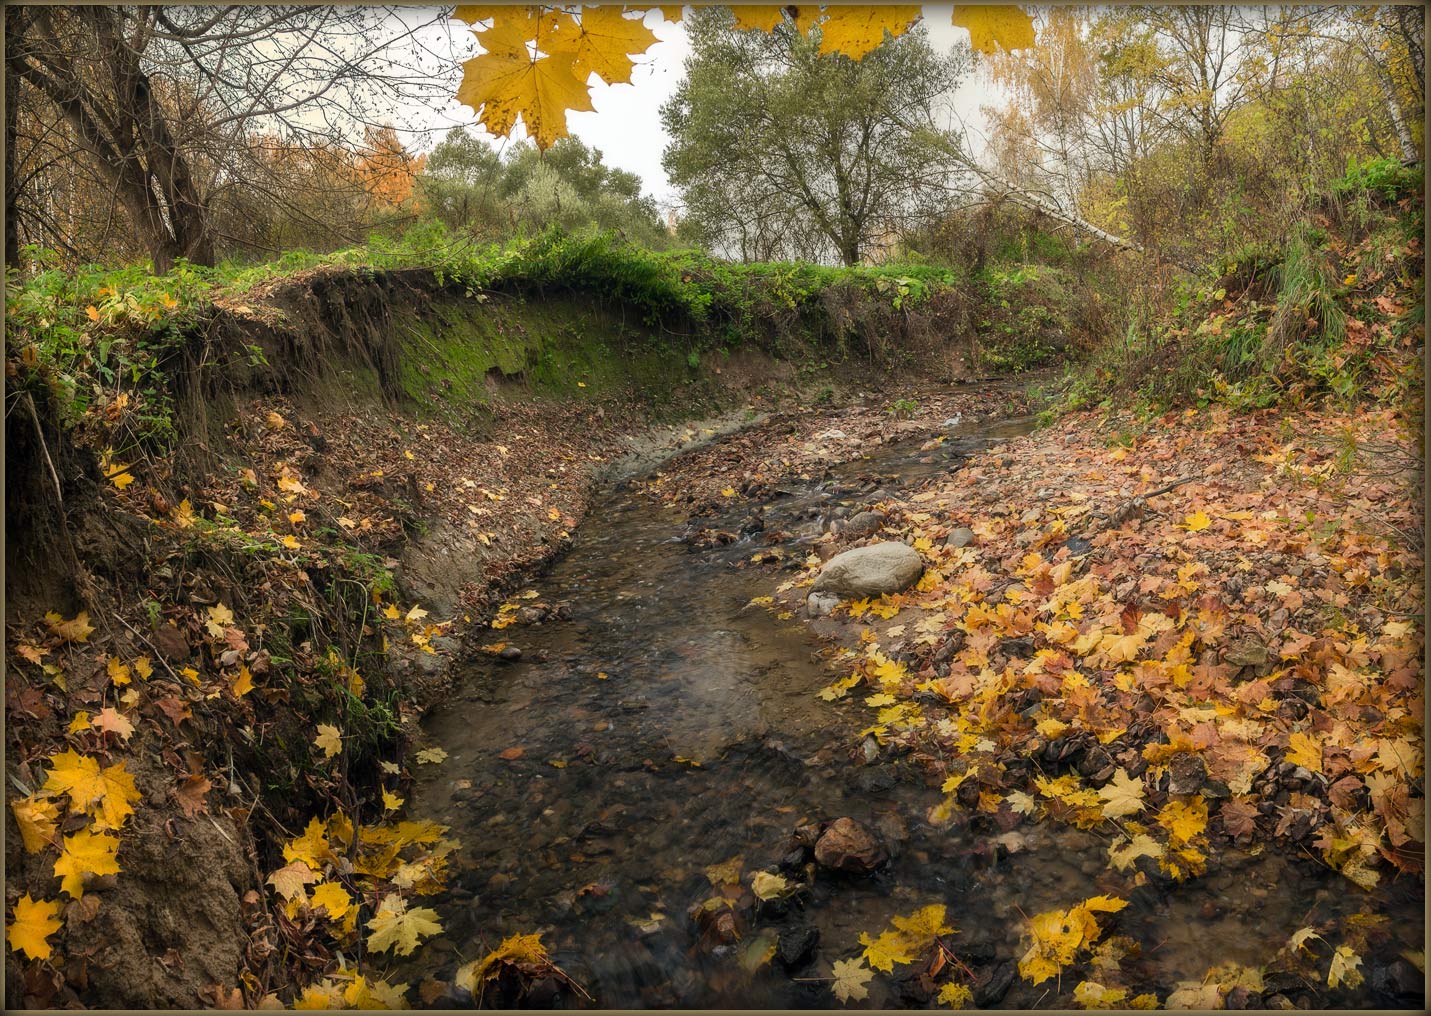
(626, 125)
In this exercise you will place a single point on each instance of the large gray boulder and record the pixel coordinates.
(870, 571)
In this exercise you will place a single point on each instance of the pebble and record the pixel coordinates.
(960, 537)
(851, 847)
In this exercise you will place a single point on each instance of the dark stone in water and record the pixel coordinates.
(993, 984)
(1242, 998)
(1281, 982)
(1399, 980)
(793, 860)
(850, 847)
(876, 779)
(796, 947)
(510, 654)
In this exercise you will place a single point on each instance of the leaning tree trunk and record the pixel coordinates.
(131, 141)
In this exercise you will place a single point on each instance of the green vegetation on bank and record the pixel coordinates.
(93, 333)
(1336, 309)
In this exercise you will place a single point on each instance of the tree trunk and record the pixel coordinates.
(12, 101)
(133, 145)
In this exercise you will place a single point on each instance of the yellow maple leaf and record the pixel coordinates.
(38, 818)
(851, 976)
(600, 43)
(312, 848)
(1305, 750)
(503, 84)
(333, 898)
(921, 928)
(391, 802)
(399, 928)
(220, 617)
(956, 996)
(108, 794)
(142, 668)
(992, 26)
(85, 853)
(1343, 969)
(856, 30)
(243, 683)
(1196, 522)
(289, 880)
(766, 886)
(1122, 796)
(329, 739)
(1092, 995)
(523, 950)
(118, 671)
(759, 17)
(76, 630)
(1183, 820)
(35, 921)
(1123, 854)
(884, 952)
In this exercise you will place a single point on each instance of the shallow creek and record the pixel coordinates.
(665, 725)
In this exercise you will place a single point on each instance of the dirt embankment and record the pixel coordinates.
(364, 462)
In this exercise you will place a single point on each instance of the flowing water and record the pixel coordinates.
(662, 725)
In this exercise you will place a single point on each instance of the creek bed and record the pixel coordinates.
(660, 724)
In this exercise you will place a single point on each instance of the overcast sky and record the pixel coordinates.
(626, 125)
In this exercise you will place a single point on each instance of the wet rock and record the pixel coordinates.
(820, 604)
(876, 780)
(1281, 982)
(863, 525)
(875, 570)
(806, 836)
(1399, 979)
(1241, 997)
(960, 537)
(792, 860)
(797, 947)
(509, 654)
(850, 847)
(1186, 774)
(993, 984)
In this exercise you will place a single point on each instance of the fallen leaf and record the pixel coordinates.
(85, 853)
(329, 739)
(289, 880)
(191, 793)
(851, 976)
(396, 927)
(35, 921)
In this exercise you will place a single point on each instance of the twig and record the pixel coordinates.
(1136, 505)
(44, 447)
(157, 655)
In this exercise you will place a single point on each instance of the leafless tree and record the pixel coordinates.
(174, 106)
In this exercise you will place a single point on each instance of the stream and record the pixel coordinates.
(658, 724)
